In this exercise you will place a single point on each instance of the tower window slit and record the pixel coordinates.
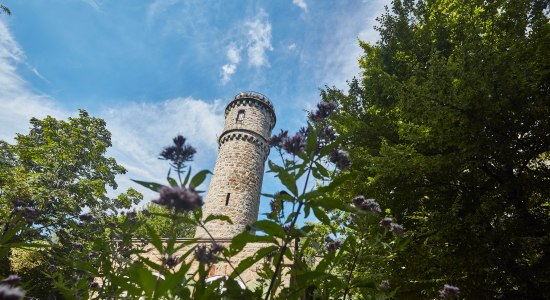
(227, 199)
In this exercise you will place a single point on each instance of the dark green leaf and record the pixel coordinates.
(198, 178)
(150, 185)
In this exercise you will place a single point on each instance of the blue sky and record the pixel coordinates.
(154, 69)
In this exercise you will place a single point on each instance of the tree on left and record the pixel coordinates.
(52, 178)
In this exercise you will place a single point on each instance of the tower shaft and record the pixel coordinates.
(243, 147)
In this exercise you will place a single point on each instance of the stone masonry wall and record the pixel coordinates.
(236, 184)
(249, 277)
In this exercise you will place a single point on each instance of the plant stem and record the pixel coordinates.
(353, 268)
(287, 239)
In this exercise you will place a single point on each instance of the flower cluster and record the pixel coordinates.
(276, 206)
(384, 285)
(393, 227)
(171, 261)
(450, 292)
(27, 212)
(278, 139)
(179, 199)
(87, 217)
(366, 204)
(332, 245)
(9, 289)
(324, 109)
(179, 152)
(207, 255)
(340, 158)
(295, 144)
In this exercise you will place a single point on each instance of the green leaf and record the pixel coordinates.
(153, 186)
(326, 150)
(240, 241)
(198, 178)
(311, 146)
(218, 217)
(289, 182)
(154, 238)
(249, 261)
(186, 180)
(269, 227)
(321, 215)
(171, 181)
(274, 168)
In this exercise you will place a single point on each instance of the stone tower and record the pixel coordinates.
(243, 147)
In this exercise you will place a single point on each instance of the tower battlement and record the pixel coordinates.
(243, 148)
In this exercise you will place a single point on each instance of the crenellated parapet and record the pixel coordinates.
(253, 99)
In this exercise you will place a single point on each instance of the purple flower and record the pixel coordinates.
(324, 109)
(278, 139)
(385, 285)
(340, 158)
(386, 222)
(87, 217)
(18, 203)
(204, 255)
(326, 134)
(295, 144)
(216, 248)
(11, 280)
(10, 293)
(366, 204)
(171, 261)
(333, 245)
(179, 152)
(179, 199)
(450, 292)
(397, 229)
(29, 213)
(95, 285)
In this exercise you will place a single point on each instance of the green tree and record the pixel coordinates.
(448, 127)
(153, 216)
(54, 178)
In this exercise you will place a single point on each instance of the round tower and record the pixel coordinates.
(243, 147)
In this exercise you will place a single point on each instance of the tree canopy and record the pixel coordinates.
(448, 127)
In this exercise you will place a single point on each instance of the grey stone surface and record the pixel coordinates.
(239, 169)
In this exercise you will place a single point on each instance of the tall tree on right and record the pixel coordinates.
(449, 127)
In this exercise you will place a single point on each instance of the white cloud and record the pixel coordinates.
(139, 130)
(301, 4)
(234, 57)
(292, 46)
(259, 39)
(233, 54)
(18, 102)
(340, 53)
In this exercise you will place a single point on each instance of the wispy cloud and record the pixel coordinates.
(341, 51)
(139, 130)
(233, 57)
(301, 4)
(254, 36)
(259, 39)
(94, 4)
(18, 102)
(157, 7)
